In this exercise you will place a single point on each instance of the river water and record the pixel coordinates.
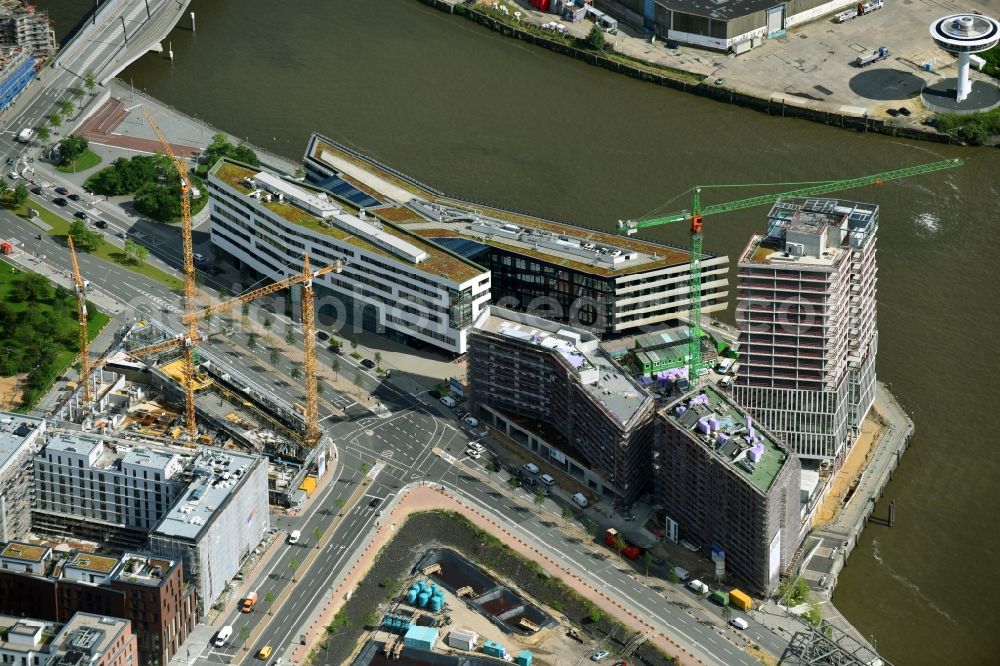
(478, 115)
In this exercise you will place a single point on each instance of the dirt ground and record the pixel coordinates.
(10, 398)
(854, 466)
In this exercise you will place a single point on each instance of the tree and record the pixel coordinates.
(158, 202)
(620, 545)
(492, 467)
(290, 335)
(335, 366)
(378, 359)
(539, 498)
(567, 513)
(340, 502)
(514, 483)
(274, 356)
(268, 322)
(335, 345)
(4, 188)
(269, 600)
(141, 252)
(296, 372)
(43, 133)
(293, 565)
(727, 612)
(72, 147)
(88, 80)
(358, 382)
(55, 120)
(77, 94)
(320, 388)
(245, 311)
(317, 535)
(647, 559)
(20, 194)
(244, 634)
(83, 238)
(251, 340)
(31, 289)
(594, 613)
(595, 38)
(66, 108)
(672, 576)
(354, 344)
(363, 468)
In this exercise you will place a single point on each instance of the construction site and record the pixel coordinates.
(157, 384)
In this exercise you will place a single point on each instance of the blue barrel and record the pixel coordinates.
(436, 602)
(411, 596)
(434, 589)
(422, 599)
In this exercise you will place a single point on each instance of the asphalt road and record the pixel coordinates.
(404, 440)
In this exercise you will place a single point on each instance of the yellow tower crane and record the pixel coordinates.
(187, 341)
(81, 314)
(190, 288)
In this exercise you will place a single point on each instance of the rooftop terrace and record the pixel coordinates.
(432, 258)
(604, 380)
(426, 206)
(725, 429)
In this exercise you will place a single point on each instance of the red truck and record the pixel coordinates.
(629, 550)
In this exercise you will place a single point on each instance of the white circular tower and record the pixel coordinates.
(965, 34)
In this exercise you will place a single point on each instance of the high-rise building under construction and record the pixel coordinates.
(806, 316)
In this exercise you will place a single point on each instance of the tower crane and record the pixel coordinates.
(696, 214)
(81, 314)
(190, 288)
(186, 342)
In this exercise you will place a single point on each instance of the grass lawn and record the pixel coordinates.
(88, 160)
(66, 323)
(107, 251)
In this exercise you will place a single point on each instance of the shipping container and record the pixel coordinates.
(463, 639)
(308, 485)
(740, 599)
(540, 5)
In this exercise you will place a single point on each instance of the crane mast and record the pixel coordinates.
(696, 214)
(81, 314)
(309, 352)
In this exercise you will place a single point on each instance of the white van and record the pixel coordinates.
(223, 636)
(472, 421)
(531, 468)
(547, 480)
(448, 401)
(294, 537)
(580, 500)
(739, 623)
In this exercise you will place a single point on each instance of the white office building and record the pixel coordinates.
(806, 315)
(217, 522)
(394, 282)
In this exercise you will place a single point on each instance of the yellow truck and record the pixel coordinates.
(740, 599)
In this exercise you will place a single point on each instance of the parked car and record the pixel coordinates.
(687, 545)
(471, 420)
(477, 446)
(223, 636)
(531, 468)
(904, 111)
(739, 623)
(199, 258)
(322, 335)
(448, 401)
(580, 500)
(368, 363)
(600, 654)
(472, 453)
(547, 480)
(62, 190)
(13, 175)
(294, 537)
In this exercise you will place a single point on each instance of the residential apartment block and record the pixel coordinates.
(150, 591)
(85, 640)
(724, 481)
(104, 488)
(24, 26)
(807, 320)
(20, 440)
(609, 284)
(551, 389)
(393, 282)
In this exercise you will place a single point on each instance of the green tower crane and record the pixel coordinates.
(696, 213)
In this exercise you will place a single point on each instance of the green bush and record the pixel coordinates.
(974, 128)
